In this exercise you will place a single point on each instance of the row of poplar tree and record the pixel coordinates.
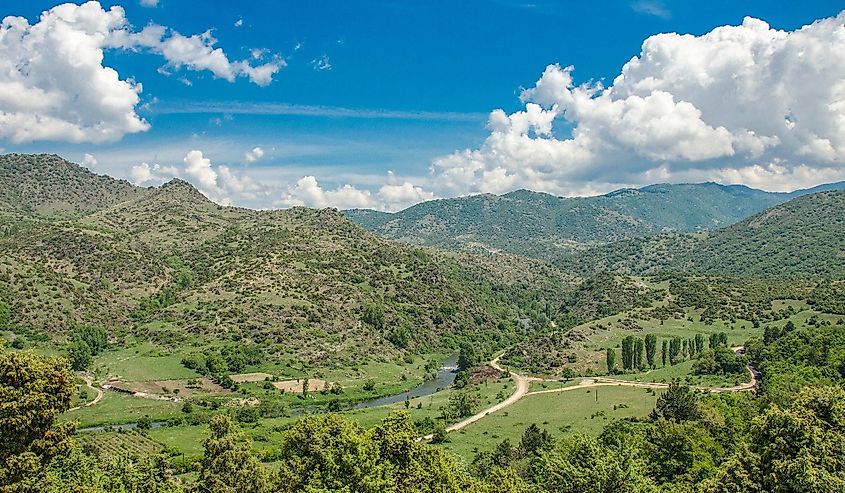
(673, 350)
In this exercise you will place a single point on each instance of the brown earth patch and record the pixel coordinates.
(314, 385)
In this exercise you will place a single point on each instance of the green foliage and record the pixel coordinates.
(583, 464)
(461, 404)
(228, 464)
(679, 403)
(5, 315)
(610, 359)
(536, 224)
(79, 354)
(650, 349)
(800, 238)
(373, 314)
(794, 449)
(94, 337)
(34, 390)
(721, 361)
(468, 356)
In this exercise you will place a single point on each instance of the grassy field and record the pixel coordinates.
(141, 363)
(564, 413)
(267, 432)
(114, 444)
(609, 332)
(117, 408)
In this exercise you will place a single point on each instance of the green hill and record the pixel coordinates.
(802, 237)
(46, 184)
(167, 264)
(539, 224)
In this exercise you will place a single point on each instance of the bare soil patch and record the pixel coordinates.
(294, 386)
(250, 377)
(177, 388)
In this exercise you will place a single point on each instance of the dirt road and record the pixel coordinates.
(523, 385)
(90, 384)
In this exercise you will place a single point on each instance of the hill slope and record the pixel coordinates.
(539, 224)
(168, 264)
(802, 237)
(45, 184)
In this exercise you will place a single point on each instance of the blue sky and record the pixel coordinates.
(371, 87)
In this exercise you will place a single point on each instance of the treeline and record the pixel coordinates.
(712, 353)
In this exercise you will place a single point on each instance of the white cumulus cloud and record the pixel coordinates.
(217, 182)
(89, 160)
(55, 86)
(743, 103)
(391, 197)
(253, 155)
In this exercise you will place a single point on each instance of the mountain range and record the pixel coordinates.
(542, 225)
(167, 264)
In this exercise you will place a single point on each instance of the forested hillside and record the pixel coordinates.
(167, 263)
(802, 237)
(543, 226)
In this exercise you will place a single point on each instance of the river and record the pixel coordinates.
(445, 377)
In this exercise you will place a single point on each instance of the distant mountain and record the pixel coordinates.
(167, 264)
(802, 237)
(539, 224)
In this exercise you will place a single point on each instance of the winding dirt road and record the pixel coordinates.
(523, 385)
(90, 384)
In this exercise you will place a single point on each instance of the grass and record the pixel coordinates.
(114, 444)
(562, 414)
(266, 433)
(117, 408)
(141, 363)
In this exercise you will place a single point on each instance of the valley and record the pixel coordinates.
(176, 313)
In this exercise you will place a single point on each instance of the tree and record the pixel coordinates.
(679, 403)
(374, 315)
(325, 453)
(534, 441)
(699, 343)
(664, 352)
(461, 404)
(582, 464)
(628, 352)
(399, 336)
(675, 350)
(611, 360)
(650, 348)
(414, 467)
(791, 449)
(229, 465)
(94, 337)
(467, 357)
(144, 423)
(79, 354)
(638, 353)
(34, 390)
(305, 387)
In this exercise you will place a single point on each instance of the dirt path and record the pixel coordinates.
(523, 385)
(90, 384)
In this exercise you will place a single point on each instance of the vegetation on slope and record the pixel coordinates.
(168, 263)
(542, 225)
(802, 237)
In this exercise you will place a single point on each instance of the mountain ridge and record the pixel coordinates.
(539, 224)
